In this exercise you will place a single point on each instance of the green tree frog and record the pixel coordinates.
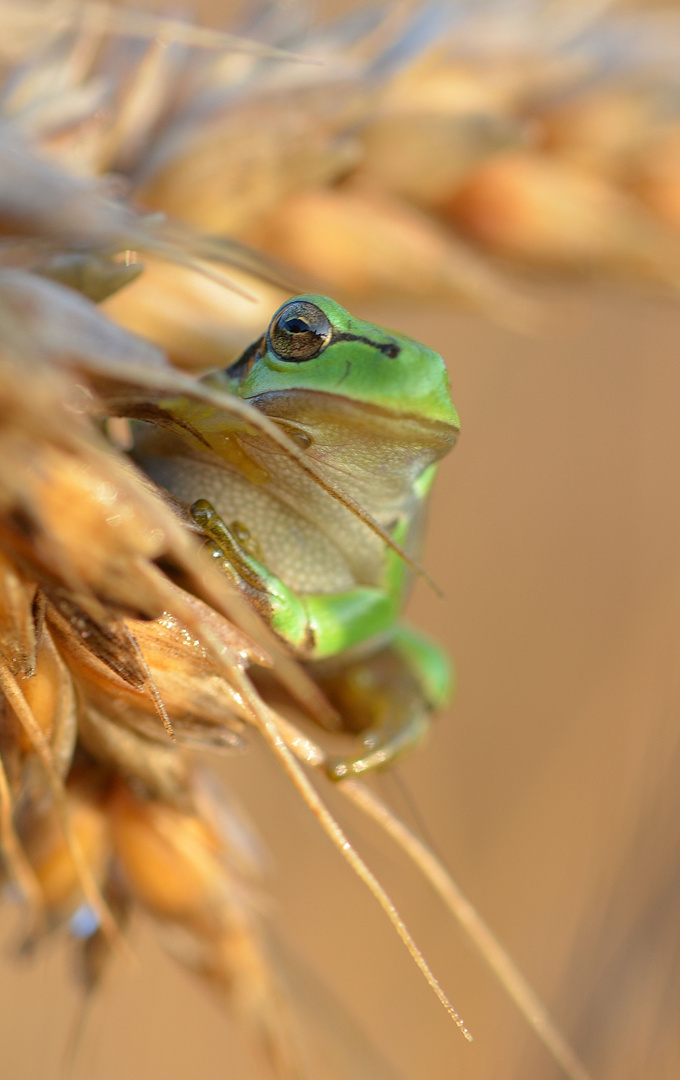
(373, 410)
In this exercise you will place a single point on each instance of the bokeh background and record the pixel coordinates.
(550, 785)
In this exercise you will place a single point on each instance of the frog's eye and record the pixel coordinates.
(299, 332)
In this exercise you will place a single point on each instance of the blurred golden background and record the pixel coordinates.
(549, 787)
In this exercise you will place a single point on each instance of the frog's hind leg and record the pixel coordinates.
(388, 698)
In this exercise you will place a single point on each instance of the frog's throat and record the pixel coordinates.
(310, 410)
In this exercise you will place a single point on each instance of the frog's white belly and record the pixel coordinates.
(290, 546)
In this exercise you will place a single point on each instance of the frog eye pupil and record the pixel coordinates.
(299, 331)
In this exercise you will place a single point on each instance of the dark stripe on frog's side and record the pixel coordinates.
(245, 363)
(392, 350)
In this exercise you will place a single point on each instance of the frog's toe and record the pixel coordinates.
(378, 752)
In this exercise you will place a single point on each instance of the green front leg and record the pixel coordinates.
(315, 625)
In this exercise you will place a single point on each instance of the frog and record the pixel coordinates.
(372, 409)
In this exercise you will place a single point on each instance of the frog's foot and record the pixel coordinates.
(226, 544)
(388, 697)
(382, 746)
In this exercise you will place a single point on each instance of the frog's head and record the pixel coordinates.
(316, 352)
